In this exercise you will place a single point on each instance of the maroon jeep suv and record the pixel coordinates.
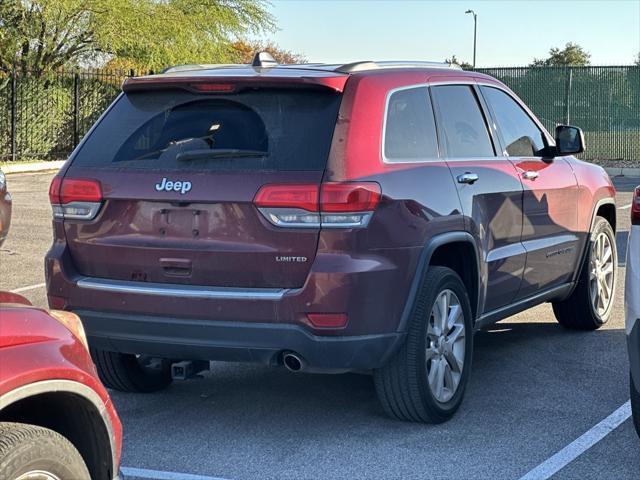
(328, 218)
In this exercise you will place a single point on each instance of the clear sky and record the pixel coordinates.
(510, 32)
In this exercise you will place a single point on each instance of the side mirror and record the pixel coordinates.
(569, 140)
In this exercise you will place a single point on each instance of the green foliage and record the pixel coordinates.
(43, 35)
(571, 55)
(454, 60)
(246, 50)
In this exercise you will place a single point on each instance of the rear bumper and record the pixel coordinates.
(180, 338)
(186, 322)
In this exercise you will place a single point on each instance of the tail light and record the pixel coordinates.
(635, 207)
(332, 205)
(76, 199)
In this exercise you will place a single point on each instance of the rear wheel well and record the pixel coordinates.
(608, 211)
(73, 417)
(461, 258)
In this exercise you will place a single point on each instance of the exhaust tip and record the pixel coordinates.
(293, 362)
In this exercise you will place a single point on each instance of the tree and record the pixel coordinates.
(43, 35)
(638, 59)
(455, 61)
(572, 55)
(246, 50)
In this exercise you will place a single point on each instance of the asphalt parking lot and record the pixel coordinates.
(535, 388)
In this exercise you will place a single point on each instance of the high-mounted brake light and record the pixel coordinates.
(214, 87)
(635, 207)
(332, 205)
(78, 199)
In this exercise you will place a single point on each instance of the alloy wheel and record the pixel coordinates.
(445, 346)
(38, 475)
(601, 274)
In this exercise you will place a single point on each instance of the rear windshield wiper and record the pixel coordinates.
(219, 153)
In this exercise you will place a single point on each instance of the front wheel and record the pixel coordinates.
(590, 305)
(426, 379)
(132, 373)
(31, 452)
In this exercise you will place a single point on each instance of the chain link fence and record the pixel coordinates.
(603, 101)
(44, 117)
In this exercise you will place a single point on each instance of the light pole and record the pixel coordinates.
(475, 31)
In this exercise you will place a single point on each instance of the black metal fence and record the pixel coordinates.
(46, 116)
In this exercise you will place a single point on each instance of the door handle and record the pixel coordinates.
(468, 177)
(530, 175)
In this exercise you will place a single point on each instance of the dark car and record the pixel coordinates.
(327, 218)
(5, 208)
(56, 419)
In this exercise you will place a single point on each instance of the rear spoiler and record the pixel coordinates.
(230, 84)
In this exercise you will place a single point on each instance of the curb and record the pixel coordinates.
(33, 167)
(623, 171)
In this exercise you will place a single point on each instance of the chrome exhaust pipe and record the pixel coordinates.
(293, 362)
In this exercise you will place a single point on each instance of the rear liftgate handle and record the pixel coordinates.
(176, 267)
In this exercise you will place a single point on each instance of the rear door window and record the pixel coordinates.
(461, 122)
(520, 134)
(271, 129)
(410, 131)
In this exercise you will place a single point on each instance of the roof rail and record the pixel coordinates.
(199, 66)
(371, 65)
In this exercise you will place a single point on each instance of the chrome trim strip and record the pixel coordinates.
(367, 65)
(65, 386)
(184, 291)
(474, 81)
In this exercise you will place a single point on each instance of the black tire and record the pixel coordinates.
(577, 312)
(131, 373)
(27, 448)
(402, 385)
(635, 404)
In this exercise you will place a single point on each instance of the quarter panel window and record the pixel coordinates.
(410, 132)
(464, 130)
(521, 135)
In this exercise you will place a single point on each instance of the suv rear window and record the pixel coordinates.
(271, 129)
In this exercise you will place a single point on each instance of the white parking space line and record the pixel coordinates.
(30, 287)
(625, 207)
(580, 445)
(162, 475)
